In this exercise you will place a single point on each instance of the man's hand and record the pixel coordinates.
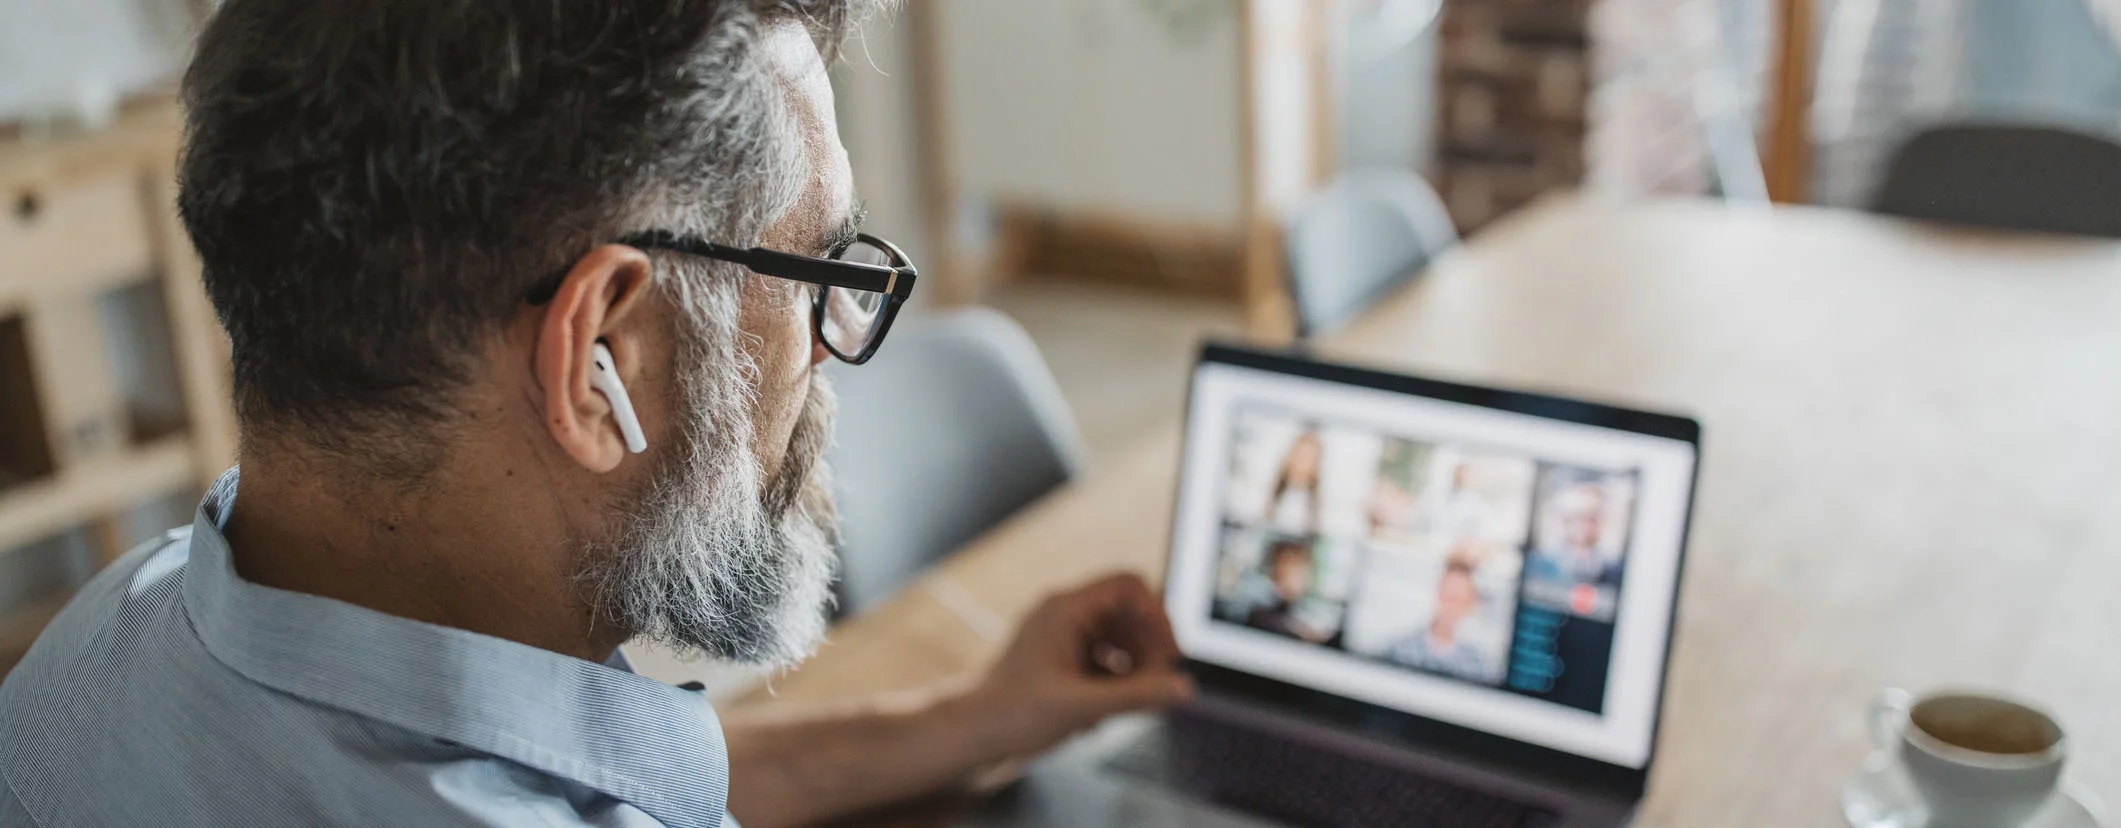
(1082, 655)
(1100, 649)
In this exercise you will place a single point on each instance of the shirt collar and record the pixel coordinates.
(639, 740)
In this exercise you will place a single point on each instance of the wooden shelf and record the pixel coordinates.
(148, 126)
(75, 214)
(104, 485)
(16, 292)
(81, 216)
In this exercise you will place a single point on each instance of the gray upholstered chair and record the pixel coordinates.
(2007, 176)
(1354, 242)
(954, 426)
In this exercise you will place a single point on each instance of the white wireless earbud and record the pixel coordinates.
(604, 377)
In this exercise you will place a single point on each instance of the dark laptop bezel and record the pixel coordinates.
(1398, 726)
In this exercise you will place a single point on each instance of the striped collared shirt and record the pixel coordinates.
(172, 692)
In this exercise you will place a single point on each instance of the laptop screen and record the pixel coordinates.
(1498, 561)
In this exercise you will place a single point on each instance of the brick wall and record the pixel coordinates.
(1606, 95)
(1515, 81)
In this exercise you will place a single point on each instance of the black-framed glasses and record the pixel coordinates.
(860, 287)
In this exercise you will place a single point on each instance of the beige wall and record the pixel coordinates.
(874, 89)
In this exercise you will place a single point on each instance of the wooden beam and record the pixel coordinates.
(1320, 22)
(952, 279)
(1269, 315)
(99, 486)
(146, 127)
(72, 235)
(1789, 159)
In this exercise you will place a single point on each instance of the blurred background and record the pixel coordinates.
(1118, 178)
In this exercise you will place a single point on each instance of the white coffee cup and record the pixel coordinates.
(1978, 761)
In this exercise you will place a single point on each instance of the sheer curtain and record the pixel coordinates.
(1890, 68)
(1678, 87)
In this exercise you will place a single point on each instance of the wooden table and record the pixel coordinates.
(1911, 476)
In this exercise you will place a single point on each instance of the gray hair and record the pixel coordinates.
(717, 559)
(375, 186)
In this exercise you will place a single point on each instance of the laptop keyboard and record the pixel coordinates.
(1306, 785)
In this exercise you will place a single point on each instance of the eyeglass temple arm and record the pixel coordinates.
(897, 281)
(848, 275)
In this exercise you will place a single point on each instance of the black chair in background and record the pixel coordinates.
(2010, 177)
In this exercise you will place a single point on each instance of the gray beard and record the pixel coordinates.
(714, 560)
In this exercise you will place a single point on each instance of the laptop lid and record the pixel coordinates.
(1491, 565)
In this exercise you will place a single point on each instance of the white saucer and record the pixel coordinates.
(1881, 797)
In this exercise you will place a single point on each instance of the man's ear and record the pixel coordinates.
(595, 303)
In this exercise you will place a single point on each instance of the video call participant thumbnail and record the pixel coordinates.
(1578, 557)
(1439, 646)
(1293, 506)
(1288, 565)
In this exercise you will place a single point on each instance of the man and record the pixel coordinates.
(1438, 645)
(407, 611)
(1578, 559)
(1463, 511)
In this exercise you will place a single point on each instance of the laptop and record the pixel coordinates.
(1407, 602)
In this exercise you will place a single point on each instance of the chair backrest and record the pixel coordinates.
(952, 427)
(1352, 243)
(2010, 177)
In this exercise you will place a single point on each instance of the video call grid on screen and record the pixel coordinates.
(1393, 560)
(1520, 612)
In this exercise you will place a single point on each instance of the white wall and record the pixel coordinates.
(874, 96)
(1123, 107)
(1387, 104)
(1285, 155)
(1120, 107)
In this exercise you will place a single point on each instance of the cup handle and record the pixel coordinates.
(1888, 716)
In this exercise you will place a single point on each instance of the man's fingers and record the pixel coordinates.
(1121, 612)
(1093, 600)
(1117, 590)
(1153, 689)
(1145, 634)
(1130, 618)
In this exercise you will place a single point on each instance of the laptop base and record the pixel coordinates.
(1133, 771)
